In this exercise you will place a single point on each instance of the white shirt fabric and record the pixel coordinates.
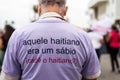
(95, 38)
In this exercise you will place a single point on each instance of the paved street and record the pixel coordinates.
(106, 69)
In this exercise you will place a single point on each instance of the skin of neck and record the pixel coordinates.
(42, 9)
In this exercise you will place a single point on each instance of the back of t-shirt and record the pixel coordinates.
(50, 50)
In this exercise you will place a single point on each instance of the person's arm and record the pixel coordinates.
(92, 77)
(101, 41)
(5, 76)
(88, 79)
(91, 68)
(11, 69)
(1, 43)
(108, 36)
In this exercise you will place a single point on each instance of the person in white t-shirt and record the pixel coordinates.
(97, 40)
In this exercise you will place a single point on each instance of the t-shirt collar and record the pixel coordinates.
(51, 16)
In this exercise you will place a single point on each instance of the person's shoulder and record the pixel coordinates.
(25, 28)
(76, 29)
(79, 32)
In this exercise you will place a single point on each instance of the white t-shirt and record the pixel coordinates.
(95, 38)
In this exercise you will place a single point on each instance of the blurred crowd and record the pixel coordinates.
(4, 38)
(107, 41)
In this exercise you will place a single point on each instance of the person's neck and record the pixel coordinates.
(54, 9)
(51, 15)
(45, 12)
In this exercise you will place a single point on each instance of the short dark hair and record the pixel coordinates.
(114, 27)
(53, 2)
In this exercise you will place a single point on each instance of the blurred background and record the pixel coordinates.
(94, 16)
(21, 12)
